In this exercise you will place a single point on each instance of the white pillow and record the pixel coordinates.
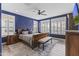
(25, 32)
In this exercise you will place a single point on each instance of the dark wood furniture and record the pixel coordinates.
(72, 43)
(12, 39)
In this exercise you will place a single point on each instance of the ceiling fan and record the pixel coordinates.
(41, 12)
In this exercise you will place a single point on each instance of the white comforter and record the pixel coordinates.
(27, 37)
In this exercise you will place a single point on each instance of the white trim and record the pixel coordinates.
(3, 43)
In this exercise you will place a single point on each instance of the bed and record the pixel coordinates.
(28, 38)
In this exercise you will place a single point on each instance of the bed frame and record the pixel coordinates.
(35, 38)
(38, 37)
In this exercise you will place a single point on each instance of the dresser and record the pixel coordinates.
(12, 39)
(72, 43)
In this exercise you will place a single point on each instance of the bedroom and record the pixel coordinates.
(23, 23)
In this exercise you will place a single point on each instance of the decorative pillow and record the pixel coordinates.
(25, 32)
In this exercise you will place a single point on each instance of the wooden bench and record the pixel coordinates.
(41, 38)
(37, 37)
(45, 40)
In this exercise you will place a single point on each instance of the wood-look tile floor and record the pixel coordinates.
(57, 48)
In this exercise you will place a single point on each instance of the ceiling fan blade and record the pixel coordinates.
(43, 11)
(43, 14)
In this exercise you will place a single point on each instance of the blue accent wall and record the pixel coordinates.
(21, 21)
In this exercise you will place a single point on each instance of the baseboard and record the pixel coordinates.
(3, 43)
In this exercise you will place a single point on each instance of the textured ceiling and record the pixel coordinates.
(26, 9)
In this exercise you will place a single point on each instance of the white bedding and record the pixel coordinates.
(27, 37)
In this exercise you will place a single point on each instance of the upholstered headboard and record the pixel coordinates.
(19, 31)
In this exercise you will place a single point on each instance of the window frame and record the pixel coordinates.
(52, 25)
(46, 24)
(7, 18)
(35, 26)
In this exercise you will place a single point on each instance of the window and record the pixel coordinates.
(45, 26)
(58, 25)
(7, 25)
(35, 27)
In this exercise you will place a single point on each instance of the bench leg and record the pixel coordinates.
(43, 46)
(51, 40)
(38, 45)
